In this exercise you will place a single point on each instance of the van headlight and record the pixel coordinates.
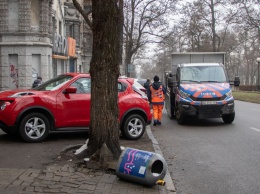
(229, 94)
(184, 94)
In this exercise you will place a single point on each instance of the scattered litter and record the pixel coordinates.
(82, 148)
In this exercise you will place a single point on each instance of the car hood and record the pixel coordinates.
(206, 90)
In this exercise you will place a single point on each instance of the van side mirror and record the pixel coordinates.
(237, 81)
(170, 82)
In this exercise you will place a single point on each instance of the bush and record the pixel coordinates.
(248, 87)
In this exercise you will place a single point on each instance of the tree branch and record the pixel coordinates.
(82, 12)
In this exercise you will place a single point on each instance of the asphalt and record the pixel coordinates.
(65, 178)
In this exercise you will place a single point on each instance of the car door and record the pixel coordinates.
(73, 109)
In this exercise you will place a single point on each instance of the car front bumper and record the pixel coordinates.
(3, 126)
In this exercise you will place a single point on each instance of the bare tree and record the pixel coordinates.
(104, 70)
(144, 23)
(218, 25)
(250, 23)
(206, 23)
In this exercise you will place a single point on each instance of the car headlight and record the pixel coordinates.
(184, 94)
(2, 107)
(229, 94)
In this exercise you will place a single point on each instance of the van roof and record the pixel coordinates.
(200, 64)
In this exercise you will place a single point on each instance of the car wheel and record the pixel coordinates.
(34, 127)
(228, 118)
(179, 117)
(133, 127)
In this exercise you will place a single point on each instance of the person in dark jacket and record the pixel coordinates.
(37, 82)
(147, 84)
(156, 96)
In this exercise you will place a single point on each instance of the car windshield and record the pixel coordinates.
(54, 83)
(196, 74)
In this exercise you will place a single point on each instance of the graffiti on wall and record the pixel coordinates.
(14, 74)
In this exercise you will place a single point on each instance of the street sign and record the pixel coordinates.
(130, 67)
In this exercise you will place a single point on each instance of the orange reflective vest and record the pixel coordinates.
(157, 96)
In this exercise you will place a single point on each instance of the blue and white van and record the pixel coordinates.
(200, 89)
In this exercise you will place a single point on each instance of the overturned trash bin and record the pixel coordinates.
(141, 167)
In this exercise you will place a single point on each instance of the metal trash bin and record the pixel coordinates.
(141, 167)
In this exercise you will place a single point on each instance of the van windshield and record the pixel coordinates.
(197, 74)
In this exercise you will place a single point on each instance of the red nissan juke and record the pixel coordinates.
(63, 104)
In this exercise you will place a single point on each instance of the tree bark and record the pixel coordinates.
(104, 71)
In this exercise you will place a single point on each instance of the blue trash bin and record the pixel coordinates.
(141, 167)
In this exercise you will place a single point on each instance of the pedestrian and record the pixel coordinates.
(37, 82)
(156, 96)
(147, 84)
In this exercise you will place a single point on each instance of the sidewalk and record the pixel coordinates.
(65, 178)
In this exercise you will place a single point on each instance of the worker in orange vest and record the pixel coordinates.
(156, 97)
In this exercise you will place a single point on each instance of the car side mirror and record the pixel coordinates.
(70, 90)
(237, 81)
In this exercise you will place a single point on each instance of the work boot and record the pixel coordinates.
(155, 122)
(159, 123)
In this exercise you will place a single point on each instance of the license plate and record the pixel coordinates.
(209, 102)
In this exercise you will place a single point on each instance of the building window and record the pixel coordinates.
(71, 30)
(60, 28)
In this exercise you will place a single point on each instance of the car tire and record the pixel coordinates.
(34, 127)
(133, 127)
(228, 118)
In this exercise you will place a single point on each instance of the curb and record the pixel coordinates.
(168, 179)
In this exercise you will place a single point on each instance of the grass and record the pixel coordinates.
(247, 96)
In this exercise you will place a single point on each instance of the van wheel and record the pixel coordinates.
(179, 117)
(228, 118)
(173, 116)
(34, 127)
(172, 99)
(133, 127)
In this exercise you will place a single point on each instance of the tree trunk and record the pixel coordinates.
(128, 62)
(104, 70)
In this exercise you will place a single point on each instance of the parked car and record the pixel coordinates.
(141, 81)
(140, 86)
(63, 104)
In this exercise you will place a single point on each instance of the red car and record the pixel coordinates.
(63, 104)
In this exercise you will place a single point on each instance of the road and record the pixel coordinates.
(212, 157)
(204, 157)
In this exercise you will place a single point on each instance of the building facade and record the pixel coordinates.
(26, 46)
(40, 38)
